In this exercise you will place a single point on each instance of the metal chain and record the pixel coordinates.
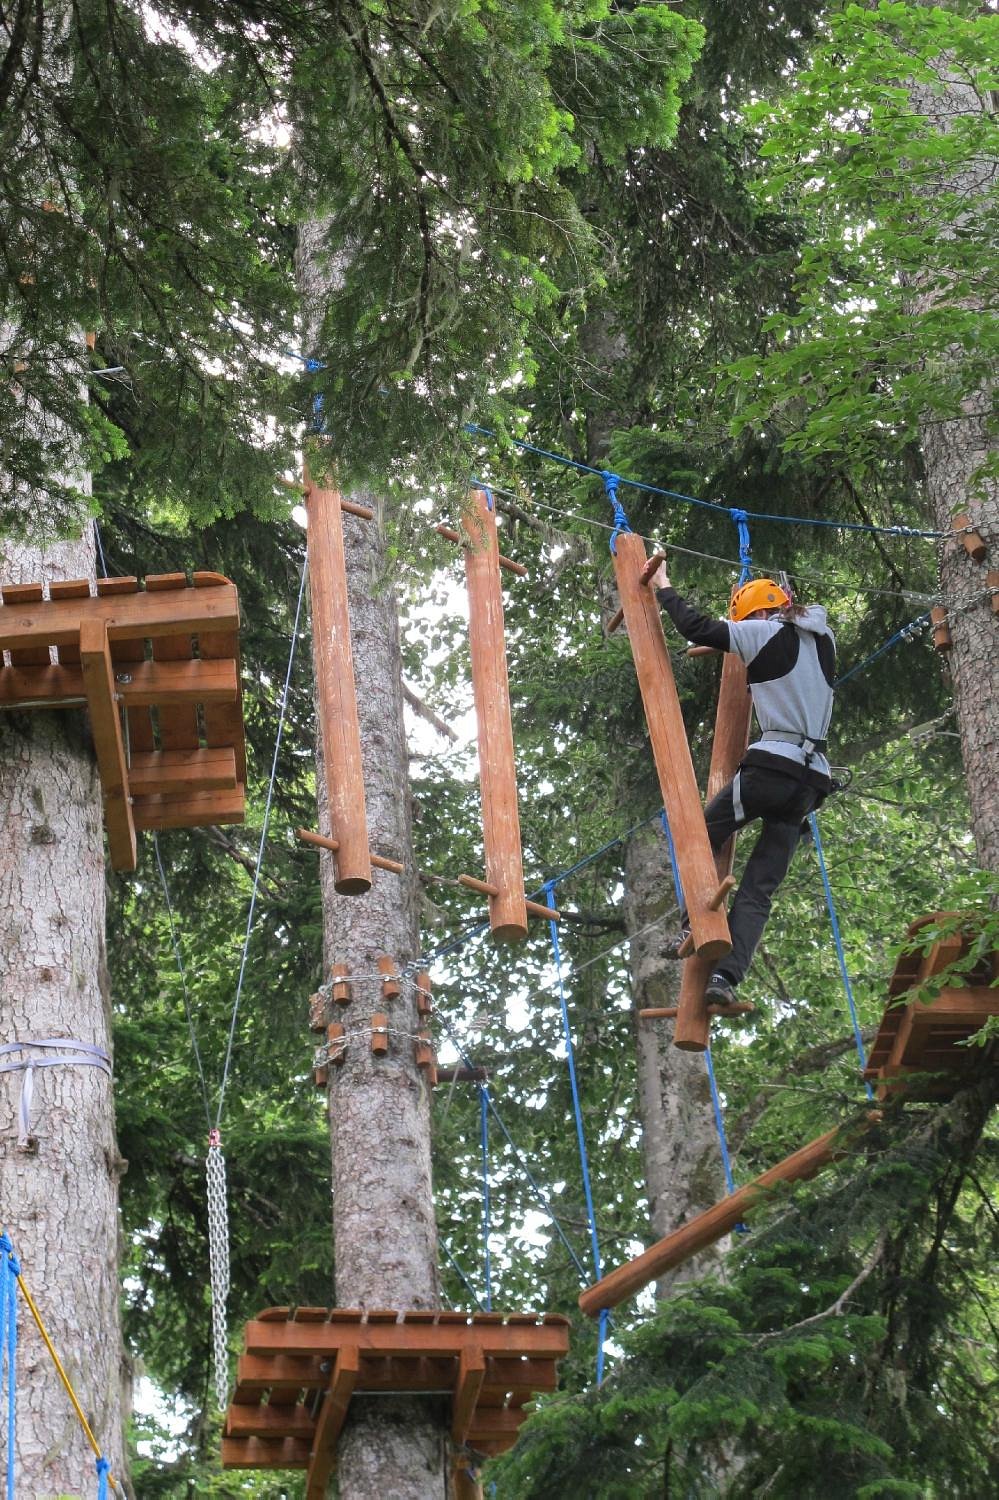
(218, 1259)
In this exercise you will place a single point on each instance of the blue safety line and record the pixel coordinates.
(720, 1127)
(611, 482)
(463, 1278)
(709, 1065)
(10, 1270)
(584, 1163)
(841, 956)
(654, 489)
(103, 1468)
(745, 544)
(906, 633)
(539, 1192)
(484, 1136)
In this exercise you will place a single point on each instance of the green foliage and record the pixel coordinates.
(785, 1378)
(883, 149)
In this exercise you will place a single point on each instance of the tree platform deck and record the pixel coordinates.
(158, 669)
(921, 1041)
(301, 1367)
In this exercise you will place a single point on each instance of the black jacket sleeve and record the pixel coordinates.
(702, 630)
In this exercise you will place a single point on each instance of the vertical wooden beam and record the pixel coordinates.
(732, 717)
(98, 682)
(337, 703)
(490, 684)
(332, 1415)
(681, 796)
(471, 1374)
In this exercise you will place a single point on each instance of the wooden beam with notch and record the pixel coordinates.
(332, 1415)
(98, 682)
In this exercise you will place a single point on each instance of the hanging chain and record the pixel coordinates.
(218, 1259)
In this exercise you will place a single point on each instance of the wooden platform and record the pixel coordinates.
(157, 668)
(301, 1367)
(924, 1037)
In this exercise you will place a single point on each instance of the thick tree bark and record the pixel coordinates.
(683, 1171)
(385, 1239)
(953, 452)
(59, 1192)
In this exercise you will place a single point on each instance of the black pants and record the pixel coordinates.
(782, 802)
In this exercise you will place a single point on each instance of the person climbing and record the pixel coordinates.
(790, 657)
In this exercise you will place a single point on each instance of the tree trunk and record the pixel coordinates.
(953, 451)
(385, 1237)
(60, 1188)
(683, 1171)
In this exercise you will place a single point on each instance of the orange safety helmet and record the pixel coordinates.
(759, 593)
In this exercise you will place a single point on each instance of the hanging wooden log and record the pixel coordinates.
(710, 1226)
(336, 699)
(497, 768)
(681, 797)
(992, 582)
(732, 719)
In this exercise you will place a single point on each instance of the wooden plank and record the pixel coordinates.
(279, 1372)
(464, 1484)
(471, 1374)
(670, 749)
(706, 1228)
(223, 722)
(494, 723)
(95, 661)
(269, 1421)
(70, 588)
(336, 700)
(26, 593)
(493, 1423)
(264, 1453)
(128, 616)
(190, 810)
(329, 1424)
(138, 719)
(161, 772)
(61, 686)
(400, 1339)
(178, 722)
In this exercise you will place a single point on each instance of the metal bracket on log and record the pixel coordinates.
(681, 797)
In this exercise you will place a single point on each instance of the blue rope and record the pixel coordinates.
(712, 1081)
(720, 1127)
(541, 1196)
(837, 939)
(678, 888)
(10, 1270)
(577, 1110)
(463, 1278)
(745, 545)
(484, 1135)
(102, 1466)
(611, 482)
(653, 489)
(906, 633)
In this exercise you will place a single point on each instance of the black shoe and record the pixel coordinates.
(675, 942)
(720, 991)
